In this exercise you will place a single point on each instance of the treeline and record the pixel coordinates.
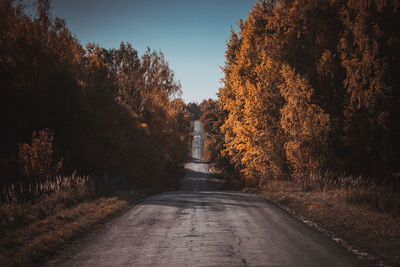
(109, 113)
(311, 90)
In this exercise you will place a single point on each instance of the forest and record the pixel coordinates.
(311, 94)
(110, 115)
(307, 116)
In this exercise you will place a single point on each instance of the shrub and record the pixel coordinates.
(36, 159)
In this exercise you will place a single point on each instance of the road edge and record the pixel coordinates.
(361, 254)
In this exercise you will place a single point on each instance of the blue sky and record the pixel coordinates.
(191, 34)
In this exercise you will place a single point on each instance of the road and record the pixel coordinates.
(202, 225)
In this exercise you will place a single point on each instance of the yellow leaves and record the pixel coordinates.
(295, 88)
(37, 158)
(325, 64)
(302, 74)
(251, 96)
(271, 119)
(252, 127)
(306, 124)
(94, 57)
(81, 83)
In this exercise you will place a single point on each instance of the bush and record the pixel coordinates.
(36, 159)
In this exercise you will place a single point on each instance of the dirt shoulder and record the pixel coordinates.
(377, 234)
(32, 233)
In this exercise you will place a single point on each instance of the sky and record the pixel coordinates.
(191, 34)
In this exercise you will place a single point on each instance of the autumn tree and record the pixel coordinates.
(252, 98)
(312, 83)
(370, 53)
(307, 127)
(115, 115)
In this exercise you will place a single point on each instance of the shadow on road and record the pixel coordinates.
(196, 160)
(212, 199)
(201, 181)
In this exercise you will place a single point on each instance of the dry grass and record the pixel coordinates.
(32, 232)
(73, 186)
(358, 223)
(28, 243)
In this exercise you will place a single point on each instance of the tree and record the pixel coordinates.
(306, 125)
(114, 113)
(370, 55)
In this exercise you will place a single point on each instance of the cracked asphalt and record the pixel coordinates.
(202, 225)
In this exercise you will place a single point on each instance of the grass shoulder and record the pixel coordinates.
(375, 232)
(31, 233)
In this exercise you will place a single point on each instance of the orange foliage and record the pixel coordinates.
(312, 86)
(116, 115)
(306, 125)
(36, 159)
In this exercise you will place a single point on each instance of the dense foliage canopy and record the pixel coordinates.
(310, 87)
(106, 112)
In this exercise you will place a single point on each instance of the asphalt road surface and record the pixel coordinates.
(202, 225)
